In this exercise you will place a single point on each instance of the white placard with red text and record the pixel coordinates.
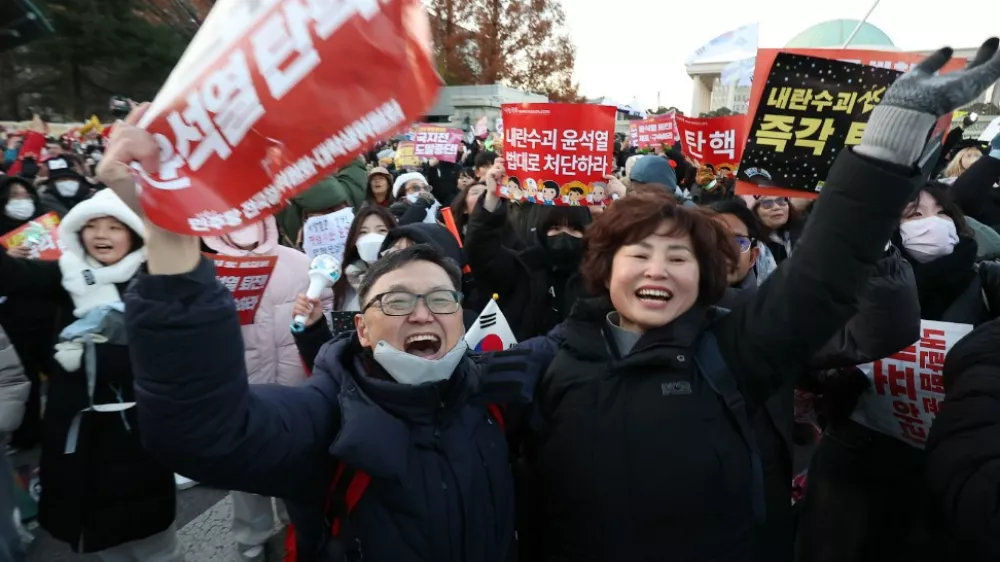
(907, 387)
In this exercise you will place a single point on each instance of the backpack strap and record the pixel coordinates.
(709, 362)
(345, 492)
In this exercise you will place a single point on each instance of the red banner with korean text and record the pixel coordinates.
(432, 141)
(272, 96)
(908, 387)
(898, 61)
(41, 235)
(557, 154)
(654, 131)
(246, 277)
(713, 140)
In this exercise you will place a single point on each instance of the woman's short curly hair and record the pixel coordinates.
(630, 220)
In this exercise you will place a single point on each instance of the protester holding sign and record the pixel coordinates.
(269, 347)
(101, 491)
(538, 285)
(30, 325)
(659, 267)
(952, 289)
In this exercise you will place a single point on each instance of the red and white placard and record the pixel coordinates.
(273, 95)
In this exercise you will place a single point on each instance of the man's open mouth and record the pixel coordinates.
(422, 345)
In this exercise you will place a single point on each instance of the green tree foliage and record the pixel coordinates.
(100, 48)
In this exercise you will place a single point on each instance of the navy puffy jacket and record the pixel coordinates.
(441, 485)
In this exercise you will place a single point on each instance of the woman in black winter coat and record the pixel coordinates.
(964, 445)
(537, 285)
(30, 325)
(101, 492)
(859, 476)
(942, 250)
(644, 450)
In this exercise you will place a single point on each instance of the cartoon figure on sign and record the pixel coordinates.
(550, 190)
(574, 192)
(531, 191)
(512, 189)
(598, 194)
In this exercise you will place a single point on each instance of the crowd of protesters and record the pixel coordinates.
(682, 391)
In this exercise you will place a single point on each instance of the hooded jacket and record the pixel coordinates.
(107, 491)
(269, 347)
(346, 188)
(8, 224)
(440, 480)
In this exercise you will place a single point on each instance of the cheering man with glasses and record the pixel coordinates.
(394, 449)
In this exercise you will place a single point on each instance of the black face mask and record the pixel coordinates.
(564, 251)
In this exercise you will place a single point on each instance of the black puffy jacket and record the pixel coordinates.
(638, 456)
(963, 448)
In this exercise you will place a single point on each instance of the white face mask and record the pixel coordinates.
(369, 245)
(928, 238)
(67, 188)
(246, 237)
(412, 197)
(412, 370)
(20, 209)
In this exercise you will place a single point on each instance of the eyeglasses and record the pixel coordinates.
(769, 203)
(416, 188)
(401, 303)
(745, 243)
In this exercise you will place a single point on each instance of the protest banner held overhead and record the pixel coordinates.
(557, 154)
(245, 120)
(41, 235)
(713, 140)
(810, 110)
(813, 99)
(908, 387)
(246, 277)
(433, 141)
(654, 131)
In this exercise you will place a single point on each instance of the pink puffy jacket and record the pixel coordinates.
(271, 355)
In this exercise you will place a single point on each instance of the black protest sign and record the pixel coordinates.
(809, 110)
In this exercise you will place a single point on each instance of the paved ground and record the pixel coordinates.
(203, 517)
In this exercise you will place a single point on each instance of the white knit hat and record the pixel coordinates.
(405, 179)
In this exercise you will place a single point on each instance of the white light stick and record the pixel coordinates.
(324, 271)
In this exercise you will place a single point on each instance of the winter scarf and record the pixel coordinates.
(89, 283)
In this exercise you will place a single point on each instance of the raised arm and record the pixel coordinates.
(815, 292)
(197, 412)
(888, 318)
